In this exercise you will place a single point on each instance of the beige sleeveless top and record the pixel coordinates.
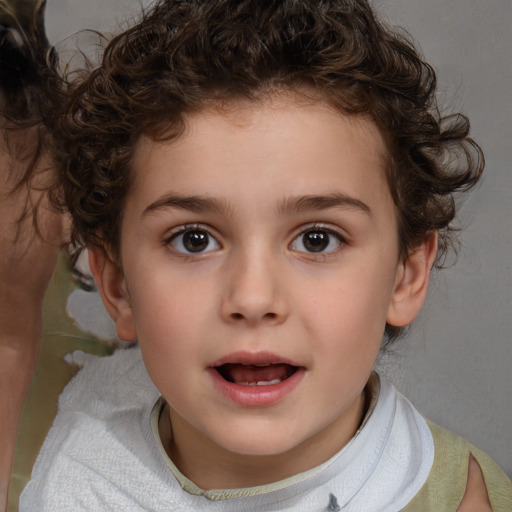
(444, 489)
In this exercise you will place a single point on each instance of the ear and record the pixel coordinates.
(112, 287)
(412, 283)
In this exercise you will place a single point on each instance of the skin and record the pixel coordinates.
(256, 288)
(27, 260)
(475, 498)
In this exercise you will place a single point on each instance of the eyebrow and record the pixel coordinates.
(322, 202)
(197, 204)
(202, 204)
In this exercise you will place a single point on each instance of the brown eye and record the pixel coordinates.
(317, 241)
(193, 241)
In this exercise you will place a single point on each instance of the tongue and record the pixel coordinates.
(242, 374)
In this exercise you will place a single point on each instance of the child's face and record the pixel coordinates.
(261, 246)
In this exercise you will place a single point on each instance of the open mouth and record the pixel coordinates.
(255, 374)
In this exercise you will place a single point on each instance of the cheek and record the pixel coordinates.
(171, 315)
(165, 301)
(349, 310)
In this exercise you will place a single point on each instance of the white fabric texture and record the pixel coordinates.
(101, 455)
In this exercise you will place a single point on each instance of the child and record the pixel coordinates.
(28, 250)
(263, 188)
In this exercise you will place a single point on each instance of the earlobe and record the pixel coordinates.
(111, 284)
(412, 283)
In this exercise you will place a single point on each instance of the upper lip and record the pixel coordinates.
(252, 358)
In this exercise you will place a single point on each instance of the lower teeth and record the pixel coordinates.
(260, 383)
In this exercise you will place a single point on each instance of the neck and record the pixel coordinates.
(210, 466)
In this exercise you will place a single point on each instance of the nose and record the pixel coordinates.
(254, 293)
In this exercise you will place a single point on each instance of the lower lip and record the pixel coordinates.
(256, 396)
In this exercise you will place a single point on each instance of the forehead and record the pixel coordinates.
(287, 144)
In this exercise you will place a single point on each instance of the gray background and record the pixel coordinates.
(456, 365)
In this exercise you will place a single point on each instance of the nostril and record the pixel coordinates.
(267, 316)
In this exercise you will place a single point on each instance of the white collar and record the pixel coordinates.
(381, 468)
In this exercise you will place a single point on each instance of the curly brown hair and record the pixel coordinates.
(30, 86)
(185, 55)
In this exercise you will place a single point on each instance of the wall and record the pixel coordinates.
(456, 365)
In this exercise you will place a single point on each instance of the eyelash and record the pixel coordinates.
(320, 228)
(178, 245)
(191, 228)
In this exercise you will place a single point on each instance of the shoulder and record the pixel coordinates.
(99, 443)
(115, 381)
(447, 482)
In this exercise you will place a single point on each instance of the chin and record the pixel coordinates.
(270, 442)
